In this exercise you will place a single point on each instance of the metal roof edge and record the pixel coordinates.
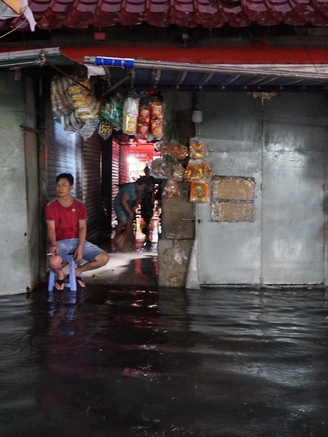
(270, 70)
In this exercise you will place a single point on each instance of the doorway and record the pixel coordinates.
(130, 158)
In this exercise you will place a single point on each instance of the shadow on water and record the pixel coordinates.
(145, 362)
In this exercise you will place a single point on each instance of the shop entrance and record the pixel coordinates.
(131, 158)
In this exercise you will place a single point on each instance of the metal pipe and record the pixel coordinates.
(204, 68)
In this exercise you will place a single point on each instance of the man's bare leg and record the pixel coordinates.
(99, 261)
(55, 263)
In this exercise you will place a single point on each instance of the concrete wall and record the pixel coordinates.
(178, 230)
(15, 230)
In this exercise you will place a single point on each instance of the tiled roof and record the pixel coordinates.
(80, 14)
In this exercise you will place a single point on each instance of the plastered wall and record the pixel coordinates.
(16, 273)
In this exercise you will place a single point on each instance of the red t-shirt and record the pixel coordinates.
(66, 218)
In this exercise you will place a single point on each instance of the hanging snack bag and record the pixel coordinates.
(105, 129)
(112, 111)
(157, 119)
(159, 168)
(197, 170)
(89, 128)
(177, 172)
(171, 189)
(61, 103)
(90, 112)
(130, 114)
(173, 148)
(199, 192)
(143, 121)
(197, 148)
(72, 123)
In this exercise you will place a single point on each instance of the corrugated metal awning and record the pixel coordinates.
(140, 74)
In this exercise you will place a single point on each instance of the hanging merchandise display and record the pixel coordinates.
(198, 171)
(76, 103)
(136, 114)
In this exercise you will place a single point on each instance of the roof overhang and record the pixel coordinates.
(34, 58)
(161, 74)
(129, 73)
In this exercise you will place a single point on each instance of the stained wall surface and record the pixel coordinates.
(279, 144)
(16, 236)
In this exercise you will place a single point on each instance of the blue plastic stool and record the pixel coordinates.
(72, 279)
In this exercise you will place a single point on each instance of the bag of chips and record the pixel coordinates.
(197, 148)
(199, 192)
(197, 170)
(171, 188)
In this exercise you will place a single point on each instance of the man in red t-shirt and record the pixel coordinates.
(67, 228)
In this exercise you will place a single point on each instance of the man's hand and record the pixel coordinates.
(78, 253)
(53, 249)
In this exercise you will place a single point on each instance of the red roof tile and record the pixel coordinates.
(79, 14)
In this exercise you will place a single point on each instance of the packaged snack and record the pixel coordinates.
(156, 110)
(166, 168)
(105, 129)
(89, 128)
(199, 192)
(112, 111)
(144, 114)
(142, 131)
(157, 129)
(72, 123)
(171, 189)
(173, 148)
(197, 148)
(177, 172)
(130, 114)
(159, 168)
(197, 170)
(143, 121)
(60, 101)
(156, 119)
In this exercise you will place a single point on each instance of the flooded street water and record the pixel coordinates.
(134, 362)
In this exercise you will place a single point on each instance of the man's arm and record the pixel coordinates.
(52, 236)
(125, 205)
(82, 236)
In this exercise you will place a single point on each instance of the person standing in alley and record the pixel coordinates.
(66, 219)
(147, 207)
(149, 195)
(125, 203)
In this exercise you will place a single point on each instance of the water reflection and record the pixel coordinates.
(142, 362)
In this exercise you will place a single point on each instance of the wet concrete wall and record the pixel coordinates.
(178, 229)
(18, 222)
